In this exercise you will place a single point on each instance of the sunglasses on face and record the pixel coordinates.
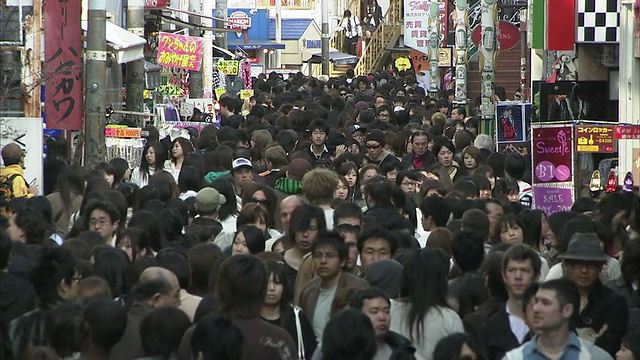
(260, 201)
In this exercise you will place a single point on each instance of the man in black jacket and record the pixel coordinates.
(506, 329)
(420, 157)
(205, 227)
(603, 315)
(375, 304)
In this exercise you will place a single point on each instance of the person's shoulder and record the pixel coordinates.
(354, 281)
(595, 351)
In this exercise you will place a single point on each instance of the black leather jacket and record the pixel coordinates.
(402, 347)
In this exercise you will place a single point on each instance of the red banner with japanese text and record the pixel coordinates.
(180, 51)
(63, 64)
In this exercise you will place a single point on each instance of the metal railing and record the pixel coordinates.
(383, 38)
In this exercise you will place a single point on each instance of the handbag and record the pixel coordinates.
(301, 354)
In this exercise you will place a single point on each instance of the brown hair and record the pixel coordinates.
(475, 153)
(319, 185)
(441, 238)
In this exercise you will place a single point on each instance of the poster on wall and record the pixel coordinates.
(513, 127)
(28, 133)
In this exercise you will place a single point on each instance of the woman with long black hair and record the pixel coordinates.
(153, 158)
(67, 197)
(421, 312)
(277, 309)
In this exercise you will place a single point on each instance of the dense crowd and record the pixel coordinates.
(350, 218)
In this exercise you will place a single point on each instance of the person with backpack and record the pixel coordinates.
(12, 181)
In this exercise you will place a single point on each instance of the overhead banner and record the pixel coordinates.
(180, 51)
(416, 25)
(63, 65)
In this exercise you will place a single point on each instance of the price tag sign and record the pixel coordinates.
(229, 67)
(129, 133)
(246, 93)
(553, 199)
(594, 139)
(219, 92)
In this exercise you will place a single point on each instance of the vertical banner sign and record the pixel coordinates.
(553, 168)
(180, 51)
(443, 15)
(416, 25)
(460, 19)
(63, 64)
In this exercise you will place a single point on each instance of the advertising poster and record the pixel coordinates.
(553, 185)
(553, 199)
(416, 25)
(513, 127)
(28, 133)
(180, 51)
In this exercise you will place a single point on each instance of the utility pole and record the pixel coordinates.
(135, 69)
(221, 13)
(195, 77)
(325, 37)
(278, 32)
(95, 85)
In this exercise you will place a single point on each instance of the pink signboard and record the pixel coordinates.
(552, 199)
(552, 154)
(179, 51)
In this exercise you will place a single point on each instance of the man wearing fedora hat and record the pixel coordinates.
(602, 315)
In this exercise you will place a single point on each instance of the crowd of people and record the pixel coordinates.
(350, 218)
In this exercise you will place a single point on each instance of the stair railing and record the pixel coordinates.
(384, 37)
(337, 39)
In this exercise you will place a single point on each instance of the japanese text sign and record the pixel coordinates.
(229, 67)
(180, 51)
(553, 199)
(625, 132)
(123, 132)
(552, 154)
(596, 139)
(416, 25)
(246, 93)
(63, 64)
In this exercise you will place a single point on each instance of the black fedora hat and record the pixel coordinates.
(584, 247)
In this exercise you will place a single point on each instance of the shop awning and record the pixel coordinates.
(126, 45)
(292, 29)
(335, 56)
(233, 44)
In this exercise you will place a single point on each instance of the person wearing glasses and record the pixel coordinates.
(374, 141)
(420, 157)
(333, 288)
